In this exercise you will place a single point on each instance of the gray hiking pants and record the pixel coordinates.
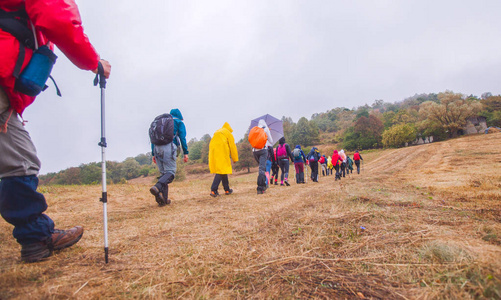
(18, 155)
(261, 156)
(166, 156)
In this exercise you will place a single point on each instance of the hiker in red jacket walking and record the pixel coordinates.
(336, 162)
(44, 21)
(357, 157)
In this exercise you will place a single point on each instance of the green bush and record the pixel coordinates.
(398, 135)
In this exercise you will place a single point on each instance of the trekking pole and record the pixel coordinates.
(104, 198)
(306, 169)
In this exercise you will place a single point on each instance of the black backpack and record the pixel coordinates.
(162, 130)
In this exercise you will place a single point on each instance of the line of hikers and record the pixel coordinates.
(167, 133)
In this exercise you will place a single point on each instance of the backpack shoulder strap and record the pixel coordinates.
(15, 23)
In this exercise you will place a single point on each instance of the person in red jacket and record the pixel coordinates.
(336, 162)
(52, 21)
(357, 157)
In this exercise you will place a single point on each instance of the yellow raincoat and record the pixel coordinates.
(222, 150)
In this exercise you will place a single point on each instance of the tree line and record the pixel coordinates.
(379, 125)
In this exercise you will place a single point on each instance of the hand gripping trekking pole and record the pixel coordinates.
(104, 198)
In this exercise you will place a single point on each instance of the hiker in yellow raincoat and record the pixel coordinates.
(222, 151)
(329, 165)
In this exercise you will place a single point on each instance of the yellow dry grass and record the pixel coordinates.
(431, 213)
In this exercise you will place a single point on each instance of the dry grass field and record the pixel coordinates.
(431, 213)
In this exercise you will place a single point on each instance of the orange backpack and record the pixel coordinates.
(257, 137)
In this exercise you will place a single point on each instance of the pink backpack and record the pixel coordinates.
(281, 152)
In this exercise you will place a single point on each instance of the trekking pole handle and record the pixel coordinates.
(100, 76)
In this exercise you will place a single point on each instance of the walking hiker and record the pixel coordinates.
(329, 165)
(164, 155)
(260, 139)
(343, 163)
(323, 165)
(271, 164)
(222, 151)
(313, 158)
(336, 162)
(283, 155)
(357, 157)
(349, 165)
(20, 203)
(299, 161)
(272, 154)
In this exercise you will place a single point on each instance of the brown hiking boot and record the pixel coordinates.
(59, 240)
(66, 238)
(35, 252)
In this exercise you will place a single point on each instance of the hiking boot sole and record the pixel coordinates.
(37, 255)
(155, 192)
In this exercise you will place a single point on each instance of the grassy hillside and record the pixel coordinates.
(431, 213)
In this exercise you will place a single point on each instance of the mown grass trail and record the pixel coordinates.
(431, 213)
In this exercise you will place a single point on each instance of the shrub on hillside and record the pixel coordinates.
(198, 170)
(398, 135)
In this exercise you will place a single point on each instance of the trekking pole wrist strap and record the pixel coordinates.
(100, 76)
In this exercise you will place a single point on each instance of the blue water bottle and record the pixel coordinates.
(33, 78)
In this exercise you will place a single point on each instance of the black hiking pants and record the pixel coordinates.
(357, 162)
(217, 180)
(284, 167)
(338, 174)
(274, 172)
(314, 171)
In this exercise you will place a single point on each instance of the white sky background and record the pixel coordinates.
(232, 61)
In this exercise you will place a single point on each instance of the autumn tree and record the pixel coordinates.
(398, 135)
(245, 156)
(365, 134)
(288, 126)
(304, 133)
(492, 110)
(451, 112)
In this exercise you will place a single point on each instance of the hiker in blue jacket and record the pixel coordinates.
(165, 158)
(299, 161)
(313, 158)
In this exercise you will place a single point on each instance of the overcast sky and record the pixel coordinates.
(232, 61)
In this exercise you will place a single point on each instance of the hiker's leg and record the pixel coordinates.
(286, 168)
(226, 182)
(20, 204)
(167, 166)
(296, 167)
(281, 164)
(261, 156)
(268, 169)
(301, 172)
(357, 162)
(215, 183)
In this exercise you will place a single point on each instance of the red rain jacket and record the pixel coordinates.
(57, 21)
(335, 158)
